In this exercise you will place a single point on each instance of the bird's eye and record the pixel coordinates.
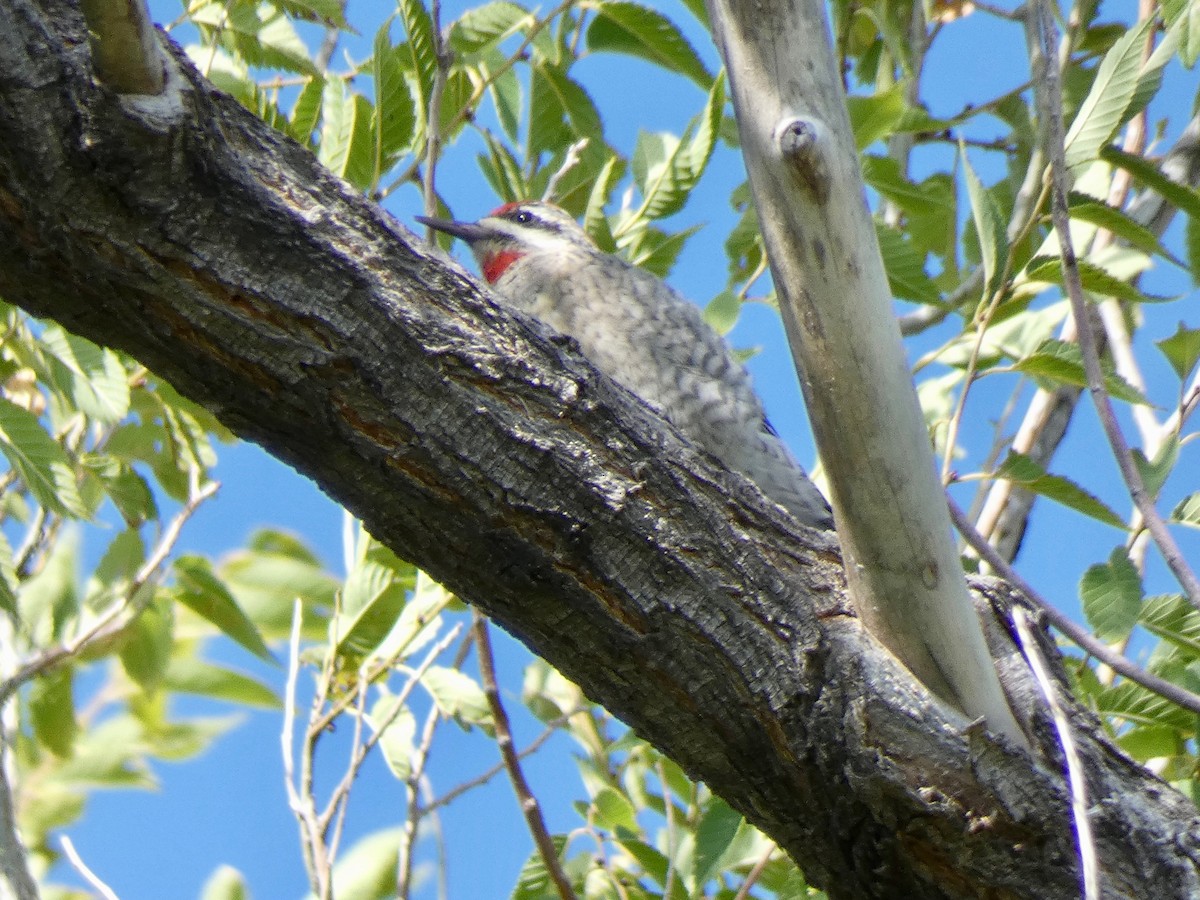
(523, 218)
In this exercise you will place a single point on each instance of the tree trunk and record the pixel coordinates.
(184, 231)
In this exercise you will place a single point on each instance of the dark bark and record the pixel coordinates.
(492, 455)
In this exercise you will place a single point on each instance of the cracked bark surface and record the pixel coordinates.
(184, 231)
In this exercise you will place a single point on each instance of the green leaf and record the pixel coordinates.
(9, 584)
(1182, 350)
(128, 490)
(905, 267)
(1154, 473)
(1061, 362)
(503, 172)
(52, 711)
(306, 111)
(1185, 198)
(613, 811)
(399, 729)
(1172, 618)
(875, 117)
(989, 227)
(883, 174)
(93, 377)
(1187, 512)
(667, 168)
(483, 27)
(418, 26)
(372, 600)
(459, 696)
(595, 222)
(1191, 242)
(324, 12)
(197, 588)
(1087, 209)
(1112, 596)
(504, 89)
(269, 575)
(39, 461)
(715, 832)
(623, 27)
(49, 598)
(657, 251)
(109, 754)
(560, 110)
(1107, 103)
(722, 312)
(1094, 278)
(259, 33)
(347, 142)
(1151, 742)
(533, 881)
(188, 675)
(1020, 469)
(146, 650)
(395, 115)
(226, 883)
(367, 871)
(1135, 704)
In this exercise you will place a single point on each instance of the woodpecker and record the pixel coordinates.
(641, 333)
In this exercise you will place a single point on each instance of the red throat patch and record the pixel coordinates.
(497, 264)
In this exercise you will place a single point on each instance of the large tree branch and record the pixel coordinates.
(186, 232)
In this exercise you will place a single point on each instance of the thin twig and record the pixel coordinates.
(408, 838)
(14, 859)
(301, 804)
(483, 778)
(1087, 339)
(87, 874)
(529, 804)
(1074, 632)
(110, 622)
(753, 876)
(480, 89)
(364, 748)
(1075, 774)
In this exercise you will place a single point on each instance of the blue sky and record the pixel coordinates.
(229, 805)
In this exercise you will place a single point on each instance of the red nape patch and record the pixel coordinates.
(501, 210)
(497, 264)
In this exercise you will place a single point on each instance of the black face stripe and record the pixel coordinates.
(528, 218)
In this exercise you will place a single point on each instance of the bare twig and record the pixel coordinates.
(87, 874)
(1074, 632)
(364, 748)
(15, 878)
(753, 876)
(483, 778)
(113, 620)
(1075, 775)
(412, 815)
(529, 804)
(300, 798)
(1052, 105)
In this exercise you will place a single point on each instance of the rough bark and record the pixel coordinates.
(219, 253)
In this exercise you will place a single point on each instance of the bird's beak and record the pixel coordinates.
(467, 231)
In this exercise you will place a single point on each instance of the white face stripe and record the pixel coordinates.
(550, 229)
